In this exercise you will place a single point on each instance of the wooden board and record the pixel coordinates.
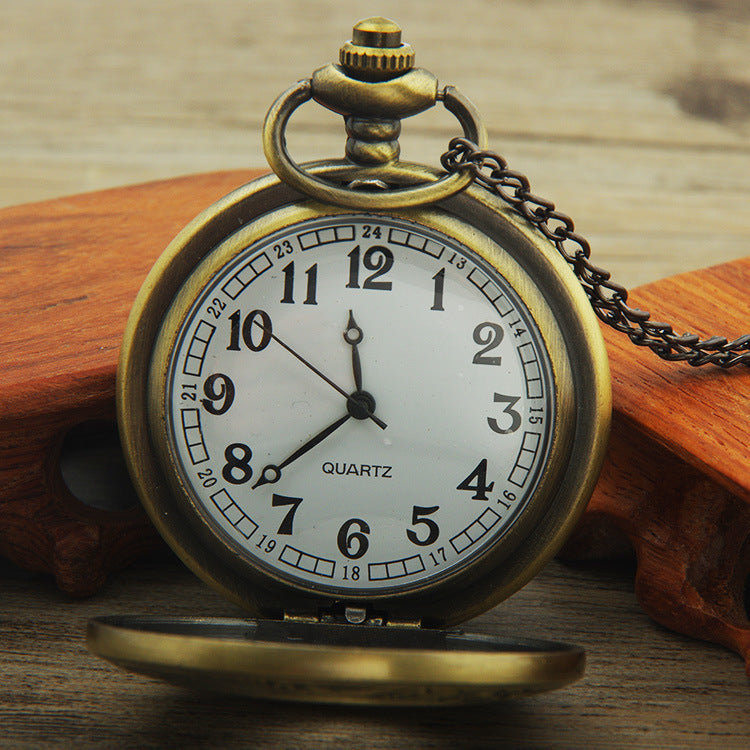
(676, 482)
(645, 687)
(69, 272)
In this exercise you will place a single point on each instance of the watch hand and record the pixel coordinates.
(368, 404)
(272, 472)
(360, 402)
(353, 336)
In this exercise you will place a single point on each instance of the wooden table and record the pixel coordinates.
(633, 117)
(645, 686)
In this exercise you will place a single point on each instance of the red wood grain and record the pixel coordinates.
(69, 271)
(676, 481)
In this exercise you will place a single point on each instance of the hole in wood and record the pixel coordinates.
(93, 467)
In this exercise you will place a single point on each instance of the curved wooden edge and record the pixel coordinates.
(698, 414)
(676, 482)
(691, 538)
(69, 271)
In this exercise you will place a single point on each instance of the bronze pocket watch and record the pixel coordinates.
(366, 400)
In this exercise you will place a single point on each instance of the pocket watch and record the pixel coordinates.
(366, 400)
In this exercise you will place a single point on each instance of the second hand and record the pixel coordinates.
(379, 422)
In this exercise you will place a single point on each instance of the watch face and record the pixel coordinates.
(356, 403)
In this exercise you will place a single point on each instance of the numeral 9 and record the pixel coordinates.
(219, 390)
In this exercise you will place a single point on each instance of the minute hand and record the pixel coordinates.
(379, 422)
(353, 336)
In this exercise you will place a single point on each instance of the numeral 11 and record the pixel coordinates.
(312, 284)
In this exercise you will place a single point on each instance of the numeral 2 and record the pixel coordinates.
(490, 335)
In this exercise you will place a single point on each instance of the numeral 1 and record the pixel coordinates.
(439, 279)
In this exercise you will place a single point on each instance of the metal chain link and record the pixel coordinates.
(608, 298)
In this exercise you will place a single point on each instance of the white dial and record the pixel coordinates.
(359, 403)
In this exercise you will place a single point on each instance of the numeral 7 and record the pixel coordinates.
(285, 527)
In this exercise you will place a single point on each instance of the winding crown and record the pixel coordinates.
(375, 51)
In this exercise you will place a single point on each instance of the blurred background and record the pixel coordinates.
(633, 116)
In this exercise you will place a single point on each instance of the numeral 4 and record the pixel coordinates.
(476, 482)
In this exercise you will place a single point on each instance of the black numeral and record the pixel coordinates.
(353, 544)
(216, 307)
(285, 527)
(437, 298)
(285, 248)
(438, 556)
(312, 284)
(257, 320)
(219, 390)
(237, 469)
(515, 416)
(476, 482)
(457, 261)
(207, 478)
(354, 573)
(418, 517)
(490, 335)
(377, 259)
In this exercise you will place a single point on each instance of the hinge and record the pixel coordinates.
(300, 617)
(350, 615)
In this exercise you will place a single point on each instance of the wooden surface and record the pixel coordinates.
(676, 479)
(69, 271)
(632, 116)
(645, 687)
